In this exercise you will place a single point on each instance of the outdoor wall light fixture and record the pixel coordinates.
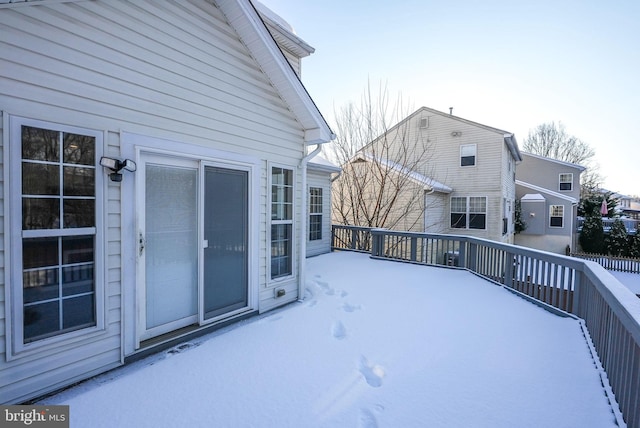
(116, 166)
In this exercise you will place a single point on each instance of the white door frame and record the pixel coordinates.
(169, 161)
(132, 146)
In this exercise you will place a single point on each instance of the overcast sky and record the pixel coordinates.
(508, 64)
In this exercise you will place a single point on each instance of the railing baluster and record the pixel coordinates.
(566, 283)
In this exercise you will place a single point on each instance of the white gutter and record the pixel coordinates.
(304, 214)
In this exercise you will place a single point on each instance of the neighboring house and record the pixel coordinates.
(466, 180)
(628, 206)
(205, 222)
(549, 193)
(320, 173)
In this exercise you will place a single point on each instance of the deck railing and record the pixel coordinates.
(610, 312)
(619, 264)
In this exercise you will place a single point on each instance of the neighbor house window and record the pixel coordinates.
(566, 182)
(55, 215)
(556, 215)
(469, 212)
(281, 222)
(468, 155)
(315, 213)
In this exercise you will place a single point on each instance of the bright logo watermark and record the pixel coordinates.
(34, 416)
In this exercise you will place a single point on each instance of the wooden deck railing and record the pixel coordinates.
(619, 264)
(610, 312)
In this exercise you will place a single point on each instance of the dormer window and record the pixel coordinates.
(468, 155)
(566, 182)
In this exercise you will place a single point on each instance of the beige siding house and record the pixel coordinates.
(549, 192)
(467, 176)
(154, 160)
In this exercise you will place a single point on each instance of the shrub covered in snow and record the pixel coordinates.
(617, 242)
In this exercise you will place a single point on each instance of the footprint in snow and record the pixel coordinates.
(350, 308)
(338, 331)
(373, 373)
(367, 419)
(327, 289)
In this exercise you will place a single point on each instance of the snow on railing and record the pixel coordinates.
(610, 311)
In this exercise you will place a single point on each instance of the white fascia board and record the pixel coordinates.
(253, 32)
(546, 191)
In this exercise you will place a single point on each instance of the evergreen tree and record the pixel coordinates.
(617, 242)
(519, 224)
(592, 236)
(634, 243)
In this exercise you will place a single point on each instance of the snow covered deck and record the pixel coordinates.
(374, 344)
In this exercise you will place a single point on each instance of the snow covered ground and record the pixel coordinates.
(631, 280)
(374, 344)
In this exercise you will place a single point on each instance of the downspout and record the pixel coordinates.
(304, 214)
(424, 212)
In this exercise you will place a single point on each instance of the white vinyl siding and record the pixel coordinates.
(173, 70)
(489, 177)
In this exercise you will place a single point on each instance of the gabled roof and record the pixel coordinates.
(253, 32)
(282, 31)
(318, 163)
(559, 162)
(427, 182)
(533, 197)
(509, 137)
(539, 189)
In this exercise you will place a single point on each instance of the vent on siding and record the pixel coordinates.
(424, 122)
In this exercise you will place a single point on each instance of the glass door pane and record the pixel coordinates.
(226, 232)
(171, 251)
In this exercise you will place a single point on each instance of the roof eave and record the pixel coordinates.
(253, 32)
(512, 144)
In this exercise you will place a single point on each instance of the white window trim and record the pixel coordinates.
(15, 346)
(560, 181)
(468, 212)
(316, 214)
(550, 215)
(475, 155)
(270, 222)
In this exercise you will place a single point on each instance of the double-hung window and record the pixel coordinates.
(556, 215)
(54, 218)
(315, 213)
(566, 182)
(468, 212)
(281, 222)
(468, 154)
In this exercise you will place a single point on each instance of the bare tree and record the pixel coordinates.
(383, 178)
(553, 141)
